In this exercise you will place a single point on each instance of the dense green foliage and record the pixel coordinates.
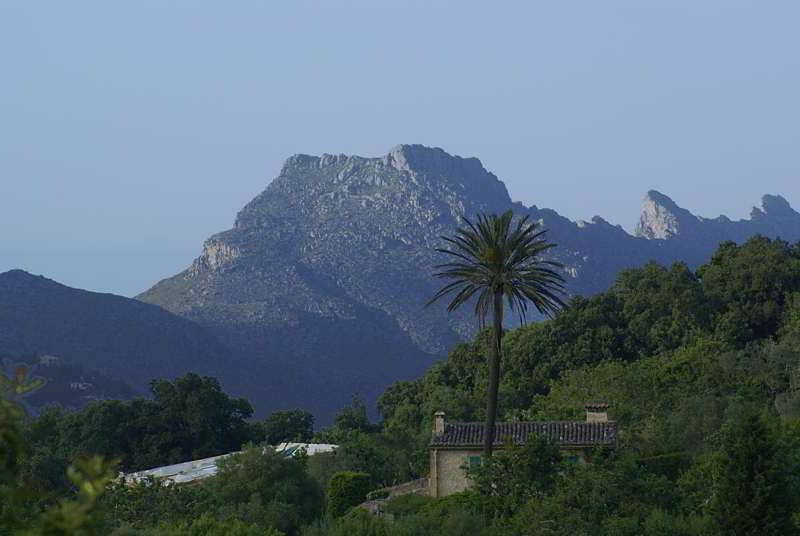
(69, 516)
(702, 371)
(263, 487)
(11, 452)
(206, 525)
(516, 476)
(281, 426)
(347, 489)
(751, 492)
(187, 419)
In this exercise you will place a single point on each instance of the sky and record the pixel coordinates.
(132, 131)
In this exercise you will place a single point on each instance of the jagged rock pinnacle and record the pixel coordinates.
(661, 217)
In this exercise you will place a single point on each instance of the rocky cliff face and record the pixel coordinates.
(320, 285)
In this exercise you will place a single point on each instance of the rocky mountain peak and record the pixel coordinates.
(661, 217)
(427, 180)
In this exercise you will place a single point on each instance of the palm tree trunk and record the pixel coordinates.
(494, 374)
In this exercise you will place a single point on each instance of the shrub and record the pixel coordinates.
(405, 505)
(377, 495)
(260, 486)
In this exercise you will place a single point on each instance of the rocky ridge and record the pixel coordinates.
(691, 237)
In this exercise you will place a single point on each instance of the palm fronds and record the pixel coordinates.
(494, 255)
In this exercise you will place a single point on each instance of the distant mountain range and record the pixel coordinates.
(319, 288)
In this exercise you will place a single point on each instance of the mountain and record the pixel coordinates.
(320, 286)
(323, 280)
(117, 337)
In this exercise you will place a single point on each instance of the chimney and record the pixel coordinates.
(438, 423)
(596, 412)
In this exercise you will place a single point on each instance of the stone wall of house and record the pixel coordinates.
(414, 487)
(448, 475)
(448, 469)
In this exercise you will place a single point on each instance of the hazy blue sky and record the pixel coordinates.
(131, 131)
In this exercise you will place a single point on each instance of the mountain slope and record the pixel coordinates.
(116, 336)
(36, 381)
(321, 284)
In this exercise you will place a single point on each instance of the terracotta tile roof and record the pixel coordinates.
(564, 434)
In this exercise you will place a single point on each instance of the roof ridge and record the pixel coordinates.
(564, 433)
(481, 423)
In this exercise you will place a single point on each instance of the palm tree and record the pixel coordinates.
(496, 260)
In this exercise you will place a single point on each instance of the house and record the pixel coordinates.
(456, 446)
(48, 359)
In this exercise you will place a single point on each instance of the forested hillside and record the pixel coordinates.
(701, 370)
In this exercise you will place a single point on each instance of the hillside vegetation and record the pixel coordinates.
(701, 369)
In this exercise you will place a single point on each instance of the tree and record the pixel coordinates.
(351, 420)
(189, 418)
(294, 425)
(750, 487)
(496, 260)
(12, 446)
(753, 284)
(200, 419)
